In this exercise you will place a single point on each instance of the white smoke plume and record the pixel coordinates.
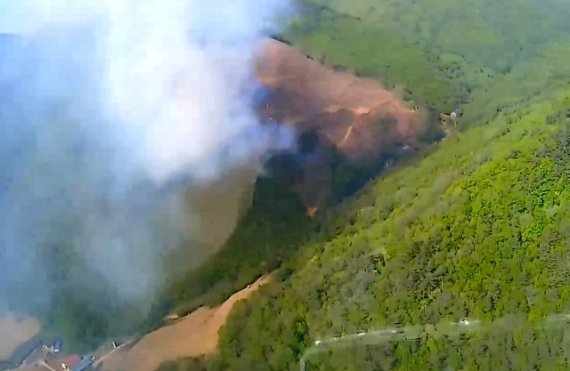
(109, 111)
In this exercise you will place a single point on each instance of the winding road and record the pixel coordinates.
(377, 337)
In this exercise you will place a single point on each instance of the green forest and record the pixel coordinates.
(475, 226)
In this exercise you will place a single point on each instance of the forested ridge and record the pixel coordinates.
(474, 226)
(478, 229)
(478, 226)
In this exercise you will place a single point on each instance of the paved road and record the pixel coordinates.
(386, 335)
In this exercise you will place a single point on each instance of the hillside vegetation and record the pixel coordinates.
(442, 53)
(478, 227)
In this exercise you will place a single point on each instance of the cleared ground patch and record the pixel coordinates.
(193, 335)
(359, 116)
(14, 331)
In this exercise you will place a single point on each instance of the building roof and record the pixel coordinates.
(71, 360)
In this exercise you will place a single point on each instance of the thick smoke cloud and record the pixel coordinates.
(109, 112)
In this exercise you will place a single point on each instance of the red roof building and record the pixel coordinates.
(70, 361)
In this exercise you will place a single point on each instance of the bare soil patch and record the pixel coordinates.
(193, 335)
(346, 110)
(14, 331)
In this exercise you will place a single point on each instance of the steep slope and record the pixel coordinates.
(343, 121)
(343, 109)
(439, 52)
(349, 129)
(479, 228)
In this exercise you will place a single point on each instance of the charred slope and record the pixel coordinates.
(349, 128)
(338, 105)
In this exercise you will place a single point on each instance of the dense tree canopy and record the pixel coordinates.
(477, 229)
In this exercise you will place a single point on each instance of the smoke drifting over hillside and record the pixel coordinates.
(109, 111)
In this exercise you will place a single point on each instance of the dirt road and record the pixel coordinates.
(193, 335)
